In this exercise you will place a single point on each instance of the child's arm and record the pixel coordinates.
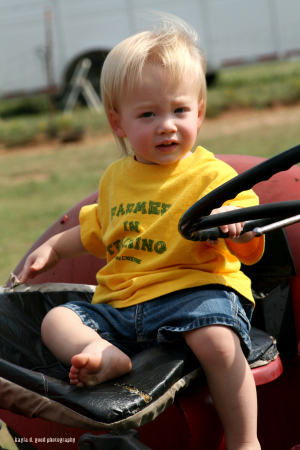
(64, 245)
(234, 230)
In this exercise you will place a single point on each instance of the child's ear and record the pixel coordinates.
(201, 113)
(115, 121)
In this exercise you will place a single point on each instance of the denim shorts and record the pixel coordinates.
(163, 319)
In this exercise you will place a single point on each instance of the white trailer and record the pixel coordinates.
(61, 32)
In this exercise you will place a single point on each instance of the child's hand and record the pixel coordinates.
(39, 261)
(234, 229)
(63, 245)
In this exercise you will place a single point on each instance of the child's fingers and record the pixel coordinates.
(224, 228)
(24, 276)
(37, 267)
(234, 230)
(32, 267)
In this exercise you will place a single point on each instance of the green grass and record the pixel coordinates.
(262, 138)
(24, 130)
(255, 86)
(37, 188)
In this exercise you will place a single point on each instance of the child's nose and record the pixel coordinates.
(166, 126)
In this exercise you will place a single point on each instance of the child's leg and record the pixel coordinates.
(230, 381)
(93, 359)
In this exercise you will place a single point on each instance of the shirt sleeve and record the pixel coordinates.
(243, 200)
(91, 232)
(248, 253)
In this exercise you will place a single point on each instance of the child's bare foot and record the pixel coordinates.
(89, 369)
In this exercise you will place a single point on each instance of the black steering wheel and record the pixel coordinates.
(197, 225)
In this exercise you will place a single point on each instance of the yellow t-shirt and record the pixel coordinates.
(135, 226)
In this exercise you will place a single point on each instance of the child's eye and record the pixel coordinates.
(147, 114)
(180, 110)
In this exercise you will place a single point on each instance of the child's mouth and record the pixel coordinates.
(167, 146)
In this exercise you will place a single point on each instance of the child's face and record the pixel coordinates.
(160, 121)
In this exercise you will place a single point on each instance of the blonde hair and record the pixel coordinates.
(173, 44)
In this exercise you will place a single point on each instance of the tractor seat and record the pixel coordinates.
(34, 384)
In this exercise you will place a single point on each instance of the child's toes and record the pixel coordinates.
(79, 361)
(76, 382)
(74, 371)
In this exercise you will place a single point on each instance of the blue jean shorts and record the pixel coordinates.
(163, 319)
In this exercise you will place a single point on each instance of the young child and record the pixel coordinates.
(157, 286)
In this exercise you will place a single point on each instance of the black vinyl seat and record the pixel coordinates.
(36, 378)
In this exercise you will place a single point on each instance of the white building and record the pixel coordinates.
(231, 31)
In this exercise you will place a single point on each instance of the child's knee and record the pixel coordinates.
(54, 320)
(214, 344)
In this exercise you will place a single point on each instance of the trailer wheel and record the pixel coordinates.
(97, 59)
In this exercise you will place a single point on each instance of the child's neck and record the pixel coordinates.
(155, 164)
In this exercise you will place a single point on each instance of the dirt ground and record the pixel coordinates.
(226, 124)
(248, 119)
